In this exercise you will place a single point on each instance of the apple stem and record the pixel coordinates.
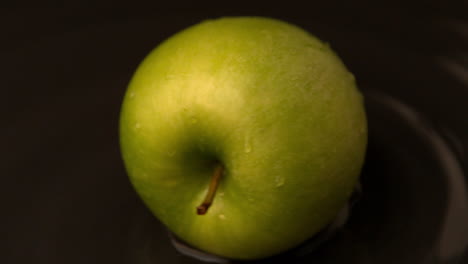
(203, 208)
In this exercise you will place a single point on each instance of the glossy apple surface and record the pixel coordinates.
(269, 103)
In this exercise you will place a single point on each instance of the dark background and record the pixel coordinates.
(64, 194)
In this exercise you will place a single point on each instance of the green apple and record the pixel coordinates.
(245, 136)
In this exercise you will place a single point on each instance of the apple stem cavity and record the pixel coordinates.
(203, 208)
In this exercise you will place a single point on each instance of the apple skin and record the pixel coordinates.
(269, 102)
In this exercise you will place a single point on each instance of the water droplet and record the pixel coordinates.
(170, 76)
(279, 181)
(247, 145)
(132, 94)
(193, 120)
(137, 125)
(221, 194)
(222, 217)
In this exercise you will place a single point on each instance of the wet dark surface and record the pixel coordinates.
(65, 197)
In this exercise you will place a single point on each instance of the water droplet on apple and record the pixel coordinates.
(137, 125)
(222, 217)
(247, 146)
(132, 94)
(295, 78)
(311, 45)
(279, 181)
(221, 194)
(170, 76)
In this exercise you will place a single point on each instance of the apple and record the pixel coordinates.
(243, 135)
